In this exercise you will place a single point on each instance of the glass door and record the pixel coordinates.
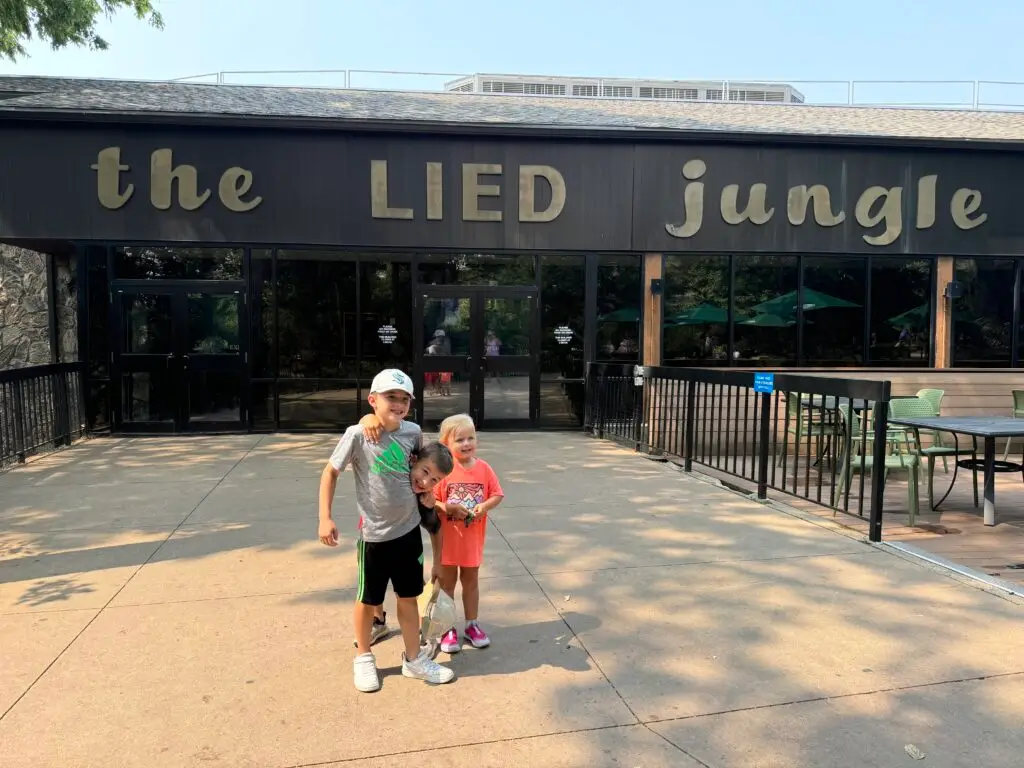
(147, 368)
(509, 366)
(180, 360)
(213, 366)
(478, 355)
(447, 349)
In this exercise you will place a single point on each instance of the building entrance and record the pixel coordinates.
(478, 355)
(180, 360)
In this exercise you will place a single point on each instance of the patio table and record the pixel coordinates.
(986, 427)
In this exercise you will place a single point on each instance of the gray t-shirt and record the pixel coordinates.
(384, 494)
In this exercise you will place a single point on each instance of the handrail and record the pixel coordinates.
(972, 95)
(42, 408)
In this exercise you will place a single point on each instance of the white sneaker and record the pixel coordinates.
(426, 669)
(364, 673)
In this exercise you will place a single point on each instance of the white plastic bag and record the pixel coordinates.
(439, 615)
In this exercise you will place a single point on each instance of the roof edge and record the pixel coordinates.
(521, 130)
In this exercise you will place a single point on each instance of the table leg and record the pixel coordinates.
(990, 481)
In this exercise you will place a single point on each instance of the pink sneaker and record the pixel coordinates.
(477, 636)
(450, 641)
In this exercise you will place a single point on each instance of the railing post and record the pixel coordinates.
(691, 408)
(881, 424)
(19, 423)
(762, 448)
(61, 421)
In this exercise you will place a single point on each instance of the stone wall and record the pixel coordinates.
(24, 315)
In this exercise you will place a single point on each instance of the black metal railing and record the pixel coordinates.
(41, 409)
(813, 437)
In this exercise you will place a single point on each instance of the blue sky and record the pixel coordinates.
(773, 39)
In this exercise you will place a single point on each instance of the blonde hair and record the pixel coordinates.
(453, 424)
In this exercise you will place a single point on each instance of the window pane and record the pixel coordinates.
(563, 285)
(261, 313)
(901, 311)
(765, 310)
(98, 307)
(386, 296)
(213, 324)
(317, 405)
(618, 308)
(147, 324)
(446, 326)
(983, 317)
(478, 269)
(696, 315)
(316, 314)
(834, 292)
(143, 262)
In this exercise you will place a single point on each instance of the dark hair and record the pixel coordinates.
(440, 455)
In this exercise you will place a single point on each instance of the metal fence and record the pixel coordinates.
(974, 95)
(41, 409)
(812, 437)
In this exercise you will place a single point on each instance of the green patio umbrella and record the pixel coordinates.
(766, 320)
(786, 304)
(702, 314)
(624, 315)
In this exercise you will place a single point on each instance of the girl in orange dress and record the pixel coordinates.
(468, 494)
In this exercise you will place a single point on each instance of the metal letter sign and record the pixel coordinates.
(764, 382)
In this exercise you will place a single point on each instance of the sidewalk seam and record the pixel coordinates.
(586, 650)
(128, 581)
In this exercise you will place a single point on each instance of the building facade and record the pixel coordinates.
(222, 270)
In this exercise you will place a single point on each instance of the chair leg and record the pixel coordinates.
(931, 483)
(1006, 453)
(974, 473)
(912, 493)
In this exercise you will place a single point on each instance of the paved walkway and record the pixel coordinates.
(165, 603)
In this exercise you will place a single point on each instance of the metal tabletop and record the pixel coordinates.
(977, 426)
(987, 427)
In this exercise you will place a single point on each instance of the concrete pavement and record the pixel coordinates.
(164, 602)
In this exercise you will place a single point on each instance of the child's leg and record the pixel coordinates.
(470, 579)
(448, 578)
(409, 622)
(363, 620)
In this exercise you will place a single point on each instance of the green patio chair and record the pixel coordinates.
(934, 396)
(900, 460)
(920, 408)
(1018, 413)
(800, 422)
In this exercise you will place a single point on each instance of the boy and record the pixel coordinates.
(390, 546)
(433, 463)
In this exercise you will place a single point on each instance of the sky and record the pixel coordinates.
(800, 42)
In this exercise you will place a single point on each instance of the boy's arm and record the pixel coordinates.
(435, 549)
(372, 427)
(340, 458)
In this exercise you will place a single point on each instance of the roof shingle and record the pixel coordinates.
(68, 95)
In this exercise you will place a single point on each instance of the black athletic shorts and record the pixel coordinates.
(399, 561)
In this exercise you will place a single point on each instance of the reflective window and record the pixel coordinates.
(316, 314)
(213, 324)
(696, 310)
(618, 308)
(145, 262)
(147, 322)
(983, 316)
(835, 289)
(901, 311)
(386, 303)
(98, 306)
(261, 313)
(765, 310)
(478, 269)
(447, 328)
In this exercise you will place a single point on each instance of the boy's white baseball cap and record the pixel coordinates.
(391, 379)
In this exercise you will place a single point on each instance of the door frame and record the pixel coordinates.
(179, 290)
(476, 363)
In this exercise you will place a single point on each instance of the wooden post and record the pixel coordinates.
(946, 266)
(653, 312)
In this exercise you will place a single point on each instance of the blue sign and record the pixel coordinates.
(764, 382)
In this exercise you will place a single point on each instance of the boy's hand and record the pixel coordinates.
(372, 427)
(435, 571)
(328, 533)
